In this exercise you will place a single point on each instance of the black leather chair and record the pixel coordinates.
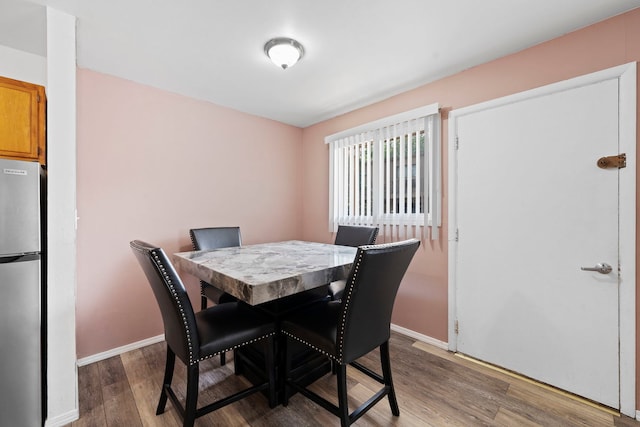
(349, 235)
(348, 329)
(194, 337)
(214, 238)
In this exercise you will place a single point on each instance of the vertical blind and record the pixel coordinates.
(387, 174)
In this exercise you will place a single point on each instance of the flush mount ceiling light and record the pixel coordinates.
(283, 51)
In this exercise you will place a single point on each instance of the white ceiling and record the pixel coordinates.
(357, 51)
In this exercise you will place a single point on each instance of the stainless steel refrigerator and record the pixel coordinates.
(21, 291)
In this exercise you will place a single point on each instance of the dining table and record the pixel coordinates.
(276, 278)
(260, 273)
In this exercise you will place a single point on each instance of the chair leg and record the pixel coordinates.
(237, 362)
(203, 302)
(287, 368)
(270, 367)
(223, 359)
(388, 380)
(343, 401)
(166, 382)
(191, 402)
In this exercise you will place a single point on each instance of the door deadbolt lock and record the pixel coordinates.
(601, 267)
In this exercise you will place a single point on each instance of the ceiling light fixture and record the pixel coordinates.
(283, 51)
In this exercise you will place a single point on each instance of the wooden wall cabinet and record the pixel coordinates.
(22, 121)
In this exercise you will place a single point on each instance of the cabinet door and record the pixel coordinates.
(22, 118)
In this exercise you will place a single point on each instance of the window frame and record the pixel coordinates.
(428, 174)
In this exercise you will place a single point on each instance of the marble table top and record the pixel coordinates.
(265, 272)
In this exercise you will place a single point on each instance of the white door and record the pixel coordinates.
(531, 208)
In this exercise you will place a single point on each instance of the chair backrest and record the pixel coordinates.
(350, 235)
(369, 295)
(215, 237)
(180, 328)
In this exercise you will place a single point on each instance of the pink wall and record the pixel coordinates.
(140, 151)
(421, 304)
(151, 165)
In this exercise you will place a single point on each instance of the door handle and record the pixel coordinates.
(601, 267)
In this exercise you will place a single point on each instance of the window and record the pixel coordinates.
(387, 174)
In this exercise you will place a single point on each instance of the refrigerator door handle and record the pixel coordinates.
(8, 259)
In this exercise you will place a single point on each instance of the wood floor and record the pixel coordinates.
(434, 388)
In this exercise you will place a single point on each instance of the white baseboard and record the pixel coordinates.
(62, 419)
(420, 337)
(637, 414)
(119, 350)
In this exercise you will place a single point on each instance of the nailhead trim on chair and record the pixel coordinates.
(236, 346)
(192, 361)
(175, 296)
(331, 356)
(349, 289)
(347, 300)
(340, 342)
